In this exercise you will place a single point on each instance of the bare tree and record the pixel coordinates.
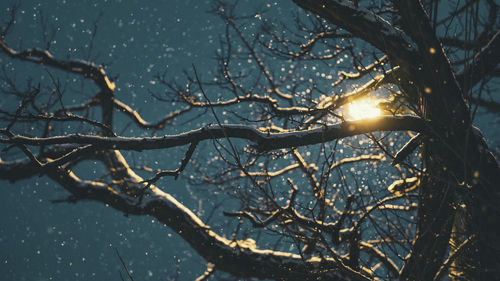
(333, 190)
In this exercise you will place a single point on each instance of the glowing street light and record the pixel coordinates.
(365, 108)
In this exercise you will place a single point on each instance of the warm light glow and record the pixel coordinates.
(362, 109)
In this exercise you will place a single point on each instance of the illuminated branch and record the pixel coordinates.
(273, 174)
(363, 71)
(289, 215)
(274, 89)
(236, 257)
(83, 68)
(60, 117)
(305, 49)
(136, 117)
(25, 168)
(318, 191)
(262, 141)
(427, 84)
(372, 250)
(256, 222)
(178, 171)
(407, 149)
(210, 270)
(86, 69)
(380, 205)
(453, 255)
(333, 102)
(363, 24)
(254, 98)
(357, 159)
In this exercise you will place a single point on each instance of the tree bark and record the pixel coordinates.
(460, 168)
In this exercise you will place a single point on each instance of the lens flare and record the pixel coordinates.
(362, 109)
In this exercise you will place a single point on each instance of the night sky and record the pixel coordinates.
(135, 40)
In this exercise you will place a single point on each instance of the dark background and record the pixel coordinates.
(135, 39)
(40, 240)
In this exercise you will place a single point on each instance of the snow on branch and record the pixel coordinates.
(263, 141)
(242, 258)
(364, 24)
(44, 57)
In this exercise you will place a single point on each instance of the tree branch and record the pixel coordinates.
(136, 117)
(363, 23)
(87, 69)
(262, 141)
(235, 257)
(483, 65)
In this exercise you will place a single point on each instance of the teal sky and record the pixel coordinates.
(135, 40)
